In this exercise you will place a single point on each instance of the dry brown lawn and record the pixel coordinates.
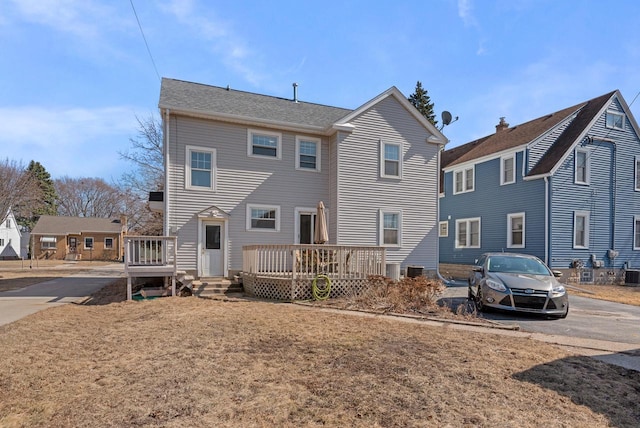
(178, 362)
(613, 293)
(22, 273)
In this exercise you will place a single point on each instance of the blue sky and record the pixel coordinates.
(74, 74)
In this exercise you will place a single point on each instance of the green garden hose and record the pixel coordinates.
(321, 294)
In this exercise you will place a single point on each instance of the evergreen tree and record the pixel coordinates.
(27, 214)
(420, 100)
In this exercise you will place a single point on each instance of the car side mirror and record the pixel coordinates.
(477, 269)
(557, 273)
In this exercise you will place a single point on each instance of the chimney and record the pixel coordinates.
(502, 125)
(295, 92)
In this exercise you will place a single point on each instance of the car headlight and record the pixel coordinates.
(558, 290)
(495, 285)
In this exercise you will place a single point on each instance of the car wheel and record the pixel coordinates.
(478, 299)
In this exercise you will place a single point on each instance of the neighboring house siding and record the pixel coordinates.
(241, 180)
(492, 203)
(363, 193)
(9, 239)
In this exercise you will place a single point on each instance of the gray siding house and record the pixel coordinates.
(248, 169)
(564, 187)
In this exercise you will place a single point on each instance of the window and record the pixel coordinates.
(582, 166)
(263, 218)
(443, 230)
(1, 242)
(636, 232)
(463, 181)
(108, 243)
(581, 229)
(8, 223)
(468, 233)
(508, 170)
(308, 154)
(88, 243)
(515, 232)
(264, 144)
(615, 120)
(390, 164)
(200, 168)
(390, 228)
(48, 242)
(637, 187)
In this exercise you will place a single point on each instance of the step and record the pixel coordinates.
(207, 289)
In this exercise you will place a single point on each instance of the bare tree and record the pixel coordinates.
(88, 197)
(17, 187)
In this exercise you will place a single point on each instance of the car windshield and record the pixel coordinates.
(510, 264)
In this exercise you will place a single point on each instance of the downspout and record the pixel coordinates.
(166, 172)
(443, 279)
(614, 177)
(546, 220)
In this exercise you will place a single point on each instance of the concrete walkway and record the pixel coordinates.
(17, 304)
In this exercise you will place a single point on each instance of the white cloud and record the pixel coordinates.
(74, 142)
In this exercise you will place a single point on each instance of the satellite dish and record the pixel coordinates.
(446, 117)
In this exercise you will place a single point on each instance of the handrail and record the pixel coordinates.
(150, 251)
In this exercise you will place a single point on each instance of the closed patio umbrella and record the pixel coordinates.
(321, 234)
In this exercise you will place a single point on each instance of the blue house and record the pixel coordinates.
(564, 187)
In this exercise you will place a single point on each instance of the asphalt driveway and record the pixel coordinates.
(17, 304)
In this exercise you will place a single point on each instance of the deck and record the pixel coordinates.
(287, 272)
(150, 256)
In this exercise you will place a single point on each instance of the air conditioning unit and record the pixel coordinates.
(632, 277)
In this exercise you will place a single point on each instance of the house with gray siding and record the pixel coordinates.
(564, 187)
(248, 169)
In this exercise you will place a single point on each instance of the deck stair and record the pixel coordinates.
(210, 287)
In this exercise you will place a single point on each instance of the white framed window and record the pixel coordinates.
(581, 229)
(88, 243)
(615, 120)
(390, 160)
(1, 242)
(108, 243)
(390, 230)
(508, 169)
(200, 168)
(468, 233)
(443, 229)
(48, 242)
(308, 153)
(515, 230)
(8, 223)
(463, 180)
(581, 167)
(637, 174)
(264, 144)
(263, 218)
(636, 232)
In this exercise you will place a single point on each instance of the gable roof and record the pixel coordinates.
(238, 106)
(519, 135)
(234, 105)
(60, 225)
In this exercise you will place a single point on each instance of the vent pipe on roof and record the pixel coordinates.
(502, 125)
(295, 92)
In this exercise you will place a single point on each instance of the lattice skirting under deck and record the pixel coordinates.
(299, 289)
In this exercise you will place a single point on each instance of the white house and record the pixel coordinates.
(248, 169)
(10, 239)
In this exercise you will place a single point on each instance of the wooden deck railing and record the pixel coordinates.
(308, 261)
(150, 256)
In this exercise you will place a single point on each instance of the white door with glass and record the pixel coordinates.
(212, 249)
(305, 225)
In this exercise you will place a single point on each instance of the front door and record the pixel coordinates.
(212, 249)
(73, 245)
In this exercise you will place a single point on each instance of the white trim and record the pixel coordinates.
(381, 229)
(636, 219)
(84, 243)
(113, 242)
(613, 113)
(636, 176)
(464, 172)
(187, 168)
(510, 243)
(468, 222)
(587, 172)
(587, 222)
(383, 159)
(251, 207)
(296, 212)
(317, 141)
(48, 239)
(503, 159)
(257, 132)
(444, 234)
